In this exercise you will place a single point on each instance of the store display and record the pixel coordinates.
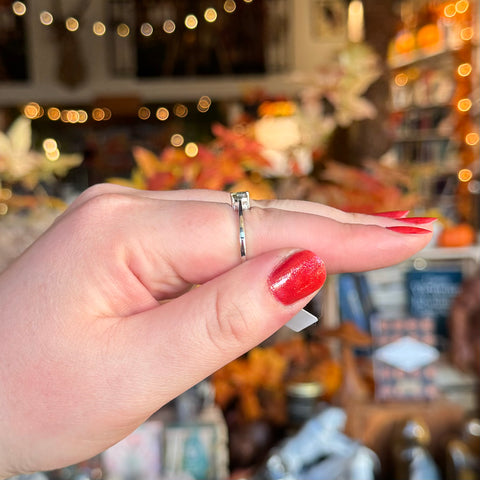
(404, 359)
(412, 459)
(355, 395)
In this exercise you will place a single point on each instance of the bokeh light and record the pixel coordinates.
(169, 26)
(465, 175)
(464, 104)
(144, 113)
(180, 110)
(49, 145)
(229, 6)
(72, 24)
(191, 149)
(19, 8)
(466, 34)
(162, 113)
(146, 29)
(176, 140)
(32, 110)
(449, 10)
(123, 30)
(46, 18)
(210, 14)
(462, 6)
(472, 138)
(401, 79)
(98, 114)
(53, 113)
(464, 69)
(191, 21)
(99, 28)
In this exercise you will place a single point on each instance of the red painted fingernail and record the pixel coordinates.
(419, 220)
(408, 230)
(301, 274)
(393, 214)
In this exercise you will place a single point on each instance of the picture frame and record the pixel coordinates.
(190, 449)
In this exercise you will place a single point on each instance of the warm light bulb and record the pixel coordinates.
(146, 29)
(72, 24)
(19, 8)
(162, 113)
(471, 138)
(464, 105)
(169, 26)
(46, 18)
(99, 28)
(123, 30)
(229, 6)
(191, 149)
(465, 175)
(176, 140)
(464, 70)
(210, 15)
(144, 113)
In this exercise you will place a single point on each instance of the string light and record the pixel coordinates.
(19, 8)
(210, 15)
(32, 110)
(180, 110)
(176, 140)
(98, 114)
(191, 149)
(471, 138)
(462, 6)
(46, 18)
(466, 34)
(449, 10)
(465, 175)
(162, 113)
(146, 29)
(464, 104)
(401, 79)
(72, 24)
(123, 30)
(229, 6)
(99, 28)
(169, 26)
(191, 21)
(464, 69)
(53, 113)
(144, 113)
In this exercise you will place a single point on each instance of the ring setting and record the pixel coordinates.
(241, 202)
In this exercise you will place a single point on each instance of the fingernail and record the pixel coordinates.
(408, 230)
(392, 214)
(301, 274)
(419, 220)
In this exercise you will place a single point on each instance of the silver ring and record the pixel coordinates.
(240, 202)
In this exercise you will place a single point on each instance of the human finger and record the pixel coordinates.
(190, 337)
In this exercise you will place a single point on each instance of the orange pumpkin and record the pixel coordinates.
(461, 235)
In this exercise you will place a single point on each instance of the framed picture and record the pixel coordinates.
(329, 19)
(190, 449)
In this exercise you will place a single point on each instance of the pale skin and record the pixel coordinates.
(90, 346)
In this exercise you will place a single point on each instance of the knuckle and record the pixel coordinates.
(231, 326)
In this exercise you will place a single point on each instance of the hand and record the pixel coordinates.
(100, 325)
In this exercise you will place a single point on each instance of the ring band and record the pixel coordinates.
(240, 202)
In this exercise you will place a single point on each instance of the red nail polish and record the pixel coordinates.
(393, 214)
(301, 274)
(418, 220)
(408, 230)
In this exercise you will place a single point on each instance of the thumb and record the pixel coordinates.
(188, 338)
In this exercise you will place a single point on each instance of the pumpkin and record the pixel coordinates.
(460, 235)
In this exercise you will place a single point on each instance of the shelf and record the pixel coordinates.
(419, 57)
